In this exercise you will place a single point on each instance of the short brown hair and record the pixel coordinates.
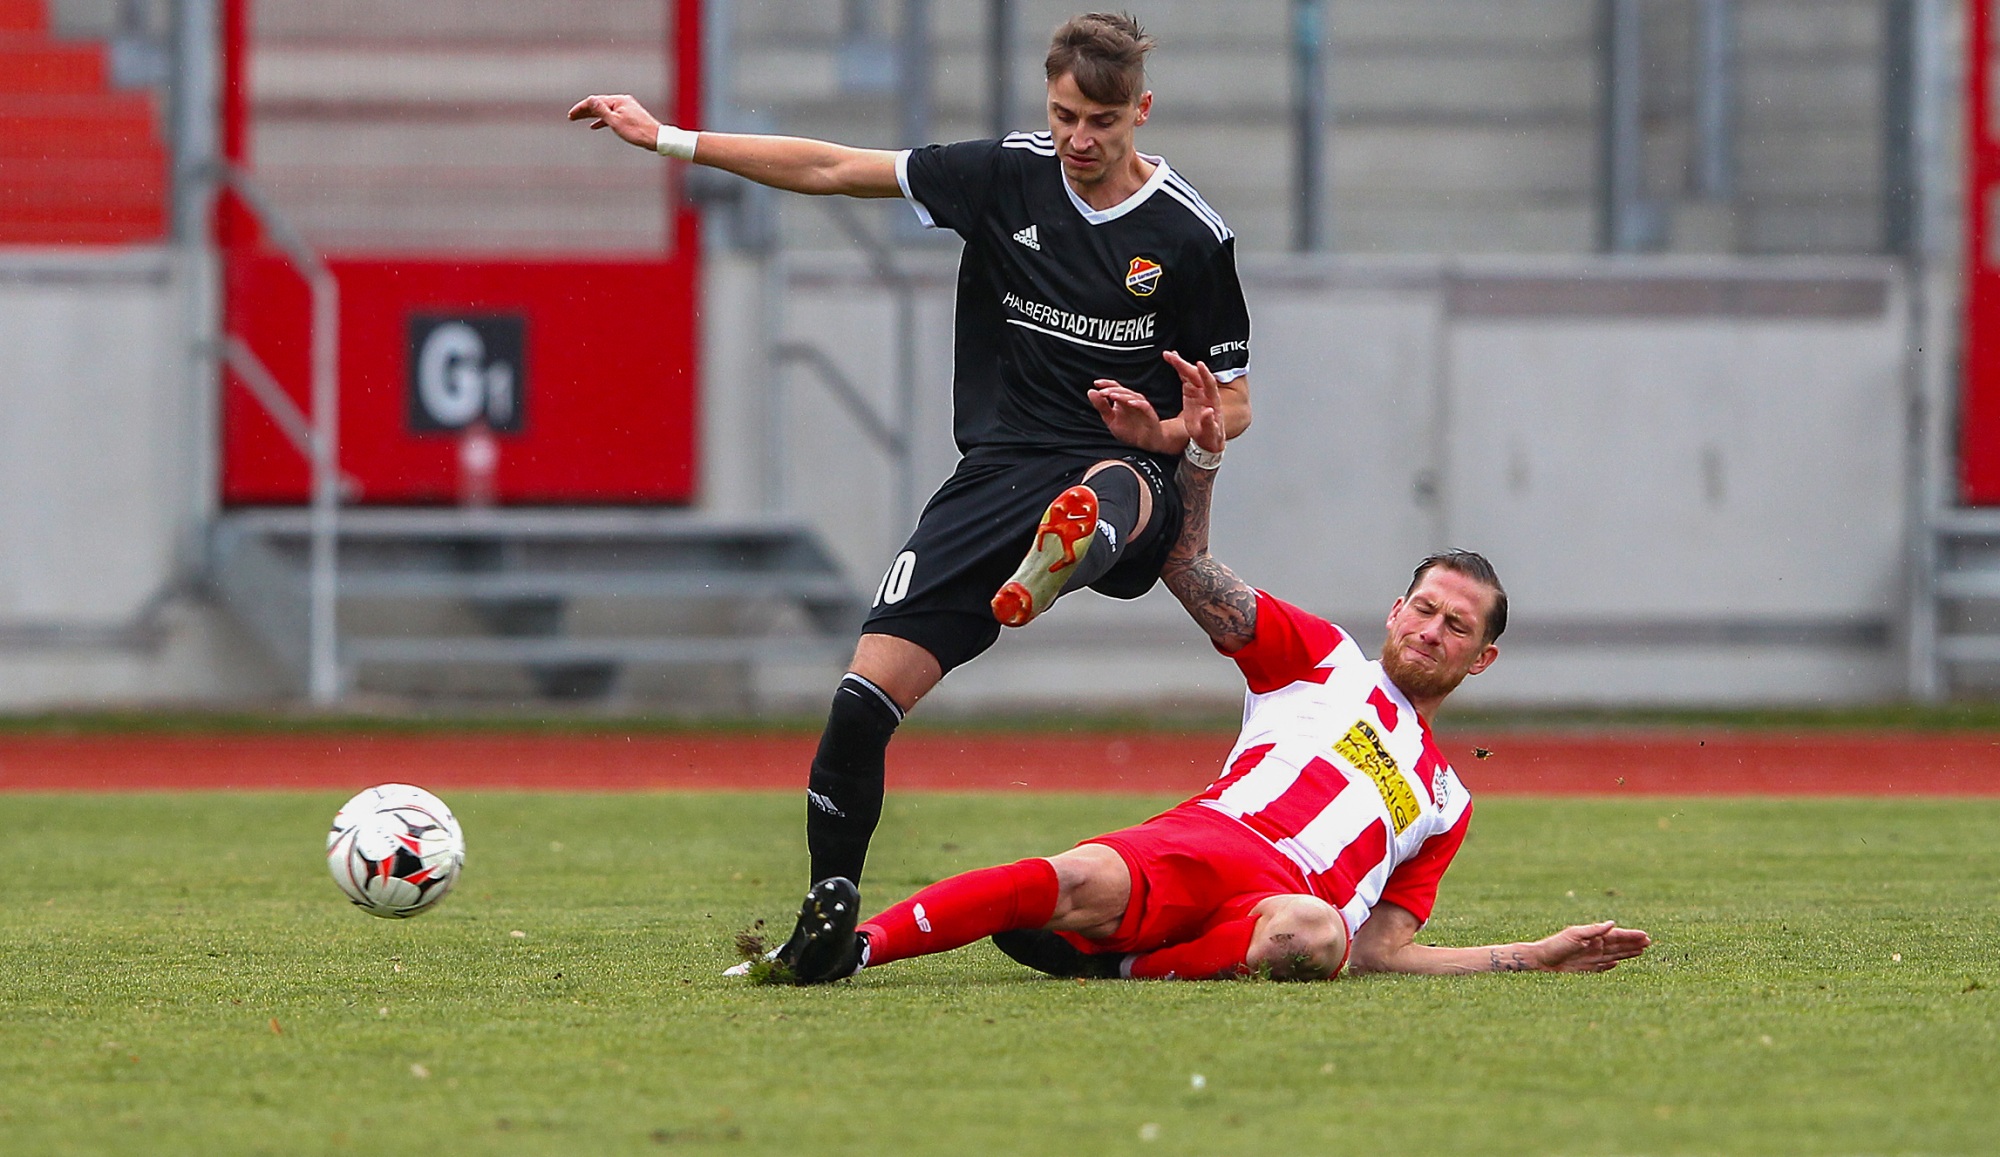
(1105, 52)
(1474, 566)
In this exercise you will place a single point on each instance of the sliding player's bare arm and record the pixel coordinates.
(1224, 605)
(795, 164)
(1387, 943)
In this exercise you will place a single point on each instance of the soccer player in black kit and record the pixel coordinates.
(1087, 264)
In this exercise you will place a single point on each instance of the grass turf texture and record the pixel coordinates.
(149, 943)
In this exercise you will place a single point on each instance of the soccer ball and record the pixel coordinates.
(395, 850)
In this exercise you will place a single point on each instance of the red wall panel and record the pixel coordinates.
(1979, 410)
(609, 396)
(612, 355)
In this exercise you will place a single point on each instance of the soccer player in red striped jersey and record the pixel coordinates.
(1319, 847)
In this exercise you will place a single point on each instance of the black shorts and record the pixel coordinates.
(975, 530)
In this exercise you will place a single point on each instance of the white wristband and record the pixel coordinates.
(676, 143)
(1201, 459)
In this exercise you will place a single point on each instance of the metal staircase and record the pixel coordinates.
(573, 598)
(1964, 603)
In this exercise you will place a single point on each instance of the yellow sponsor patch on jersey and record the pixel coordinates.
(1362, 747)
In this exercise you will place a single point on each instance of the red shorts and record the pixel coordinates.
(1192, 868)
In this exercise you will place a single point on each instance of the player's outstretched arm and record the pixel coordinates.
(1386, 943)
(1225, 606)
(796, 164)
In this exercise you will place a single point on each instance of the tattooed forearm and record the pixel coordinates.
(1197, 487)
(1508, 960)
(1224, 605)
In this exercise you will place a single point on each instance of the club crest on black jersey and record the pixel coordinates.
(1143, 277)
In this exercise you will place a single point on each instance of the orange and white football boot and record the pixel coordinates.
(1061, 541)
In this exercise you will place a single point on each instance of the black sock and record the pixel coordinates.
(1117, 521)
(844, 795)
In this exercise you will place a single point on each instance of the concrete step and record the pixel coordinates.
(1469, 26)
(548, 77)
(1768, 27)
(428, 214)
(569, 597)
(551, 584)
(444, 651)
(389, 21)
(391, 142)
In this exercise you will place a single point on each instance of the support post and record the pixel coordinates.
(913, 75)
(999, 67)
(324, 682)
(1899, 175)
(1626, 221)
(1929, 401)
(1715, 99)
(195, 96)
(195, 99)
(1308, 125)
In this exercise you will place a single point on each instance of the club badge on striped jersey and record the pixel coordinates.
(1143, 277)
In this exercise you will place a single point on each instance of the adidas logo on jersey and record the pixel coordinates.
(1029, 238)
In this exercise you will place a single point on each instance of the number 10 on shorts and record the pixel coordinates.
(896, 584)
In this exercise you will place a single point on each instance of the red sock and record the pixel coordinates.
(1220, 951)
(971, 906)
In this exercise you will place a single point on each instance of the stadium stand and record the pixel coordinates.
(438, 128)
(1459, 126)
(392, 132)
(59, 185)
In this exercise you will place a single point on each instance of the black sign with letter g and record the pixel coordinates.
(467, 368)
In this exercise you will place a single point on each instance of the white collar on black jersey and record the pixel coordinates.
(1099, 216)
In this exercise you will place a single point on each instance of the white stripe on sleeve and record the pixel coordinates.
(903, 183)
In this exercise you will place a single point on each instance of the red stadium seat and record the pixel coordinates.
(22, 16)
(58, 184)
(30, 64)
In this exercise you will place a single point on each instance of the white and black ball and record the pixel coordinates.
(395, 850)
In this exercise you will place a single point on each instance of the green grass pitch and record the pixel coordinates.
(178, 975)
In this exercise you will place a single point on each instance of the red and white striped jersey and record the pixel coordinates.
(1337, 770)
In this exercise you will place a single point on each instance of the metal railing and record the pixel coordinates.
(892, 433)
(315, 435)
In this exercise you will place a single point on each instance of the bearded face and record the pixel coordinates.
(1437, 636)
(1418, 678)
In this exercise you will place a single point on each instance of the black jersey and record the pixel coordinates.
(1053, 295)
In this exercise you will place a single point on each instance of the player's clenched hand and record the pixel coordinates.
(1201, 402)
(1590, 947)
(622, 114)
(1130, 417)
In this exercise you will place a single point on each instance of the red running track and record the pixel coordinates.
(1647, 763)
